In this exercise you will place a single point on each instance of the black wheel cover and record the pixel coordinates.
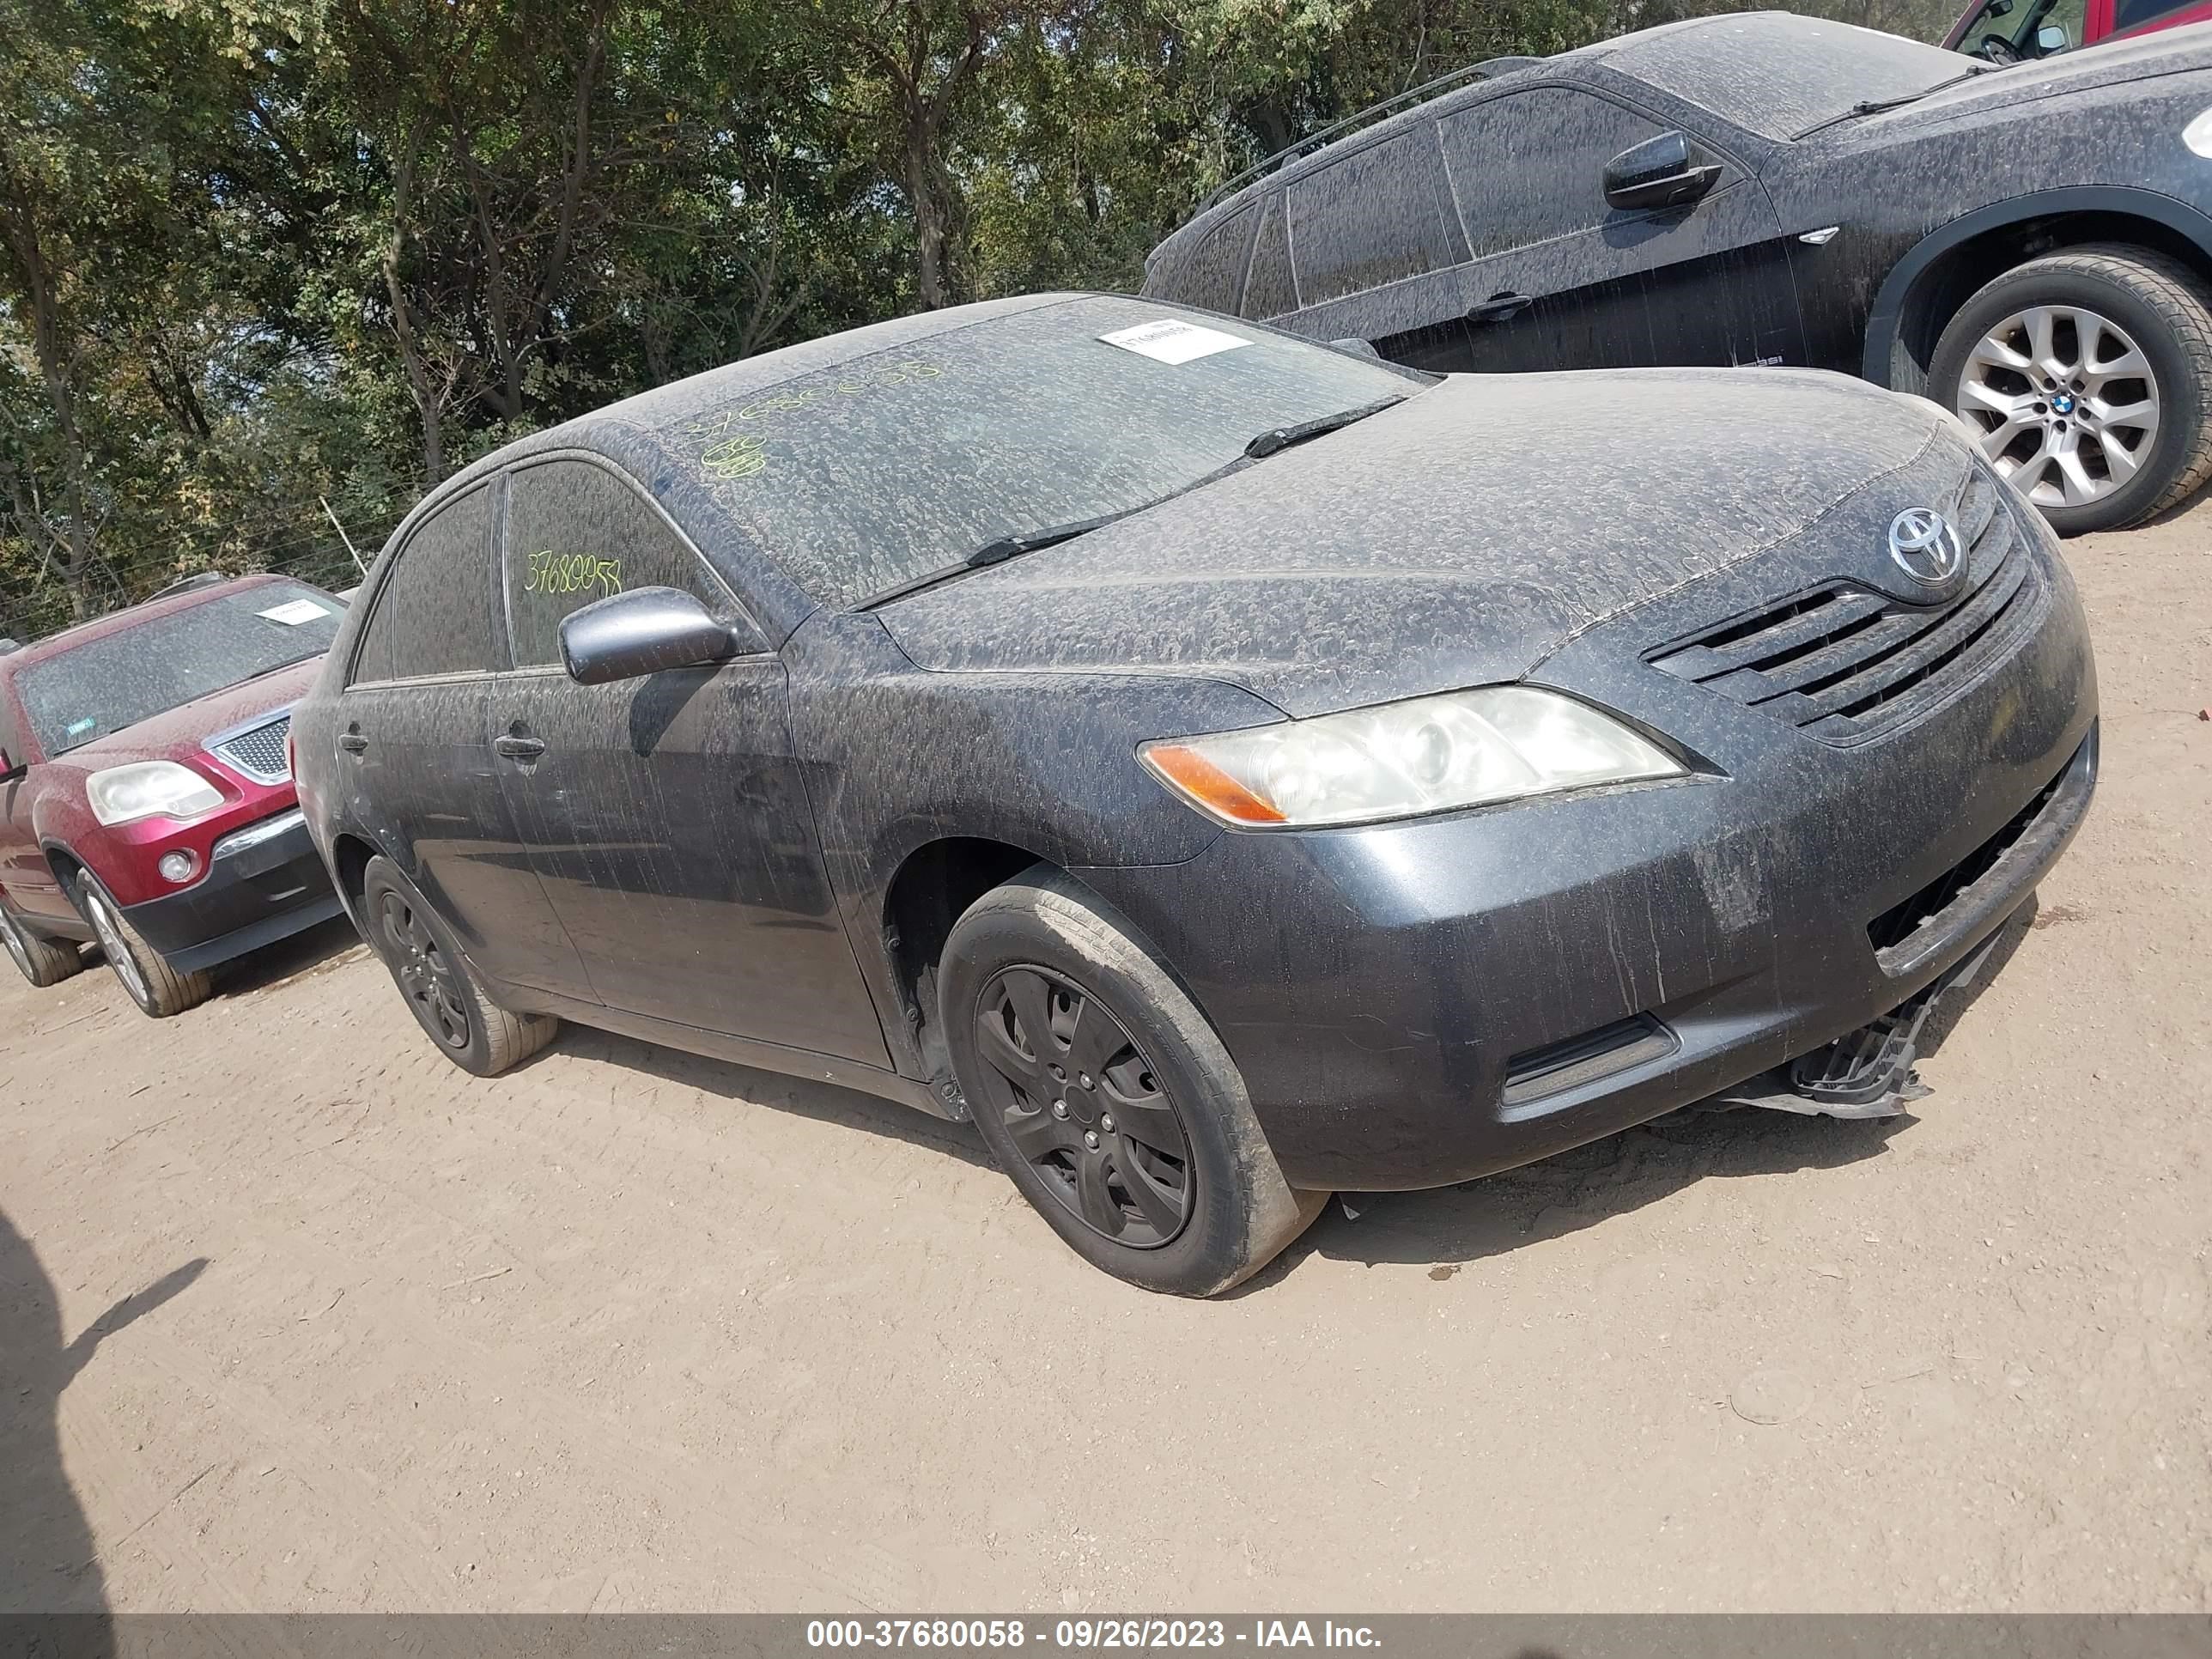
(433, 988)
(1084, 1107)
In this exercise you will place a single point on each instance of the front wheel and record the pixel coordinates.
(158, 990)
(443, 992)
(1102, 1091)
(43, 961)
(2088, 376)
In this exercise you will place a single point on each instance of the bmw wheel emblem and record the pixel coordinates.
(1924, 545)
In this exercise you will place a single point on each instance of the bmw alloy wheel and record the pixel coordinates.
(2065, 402)
(1084, 1107)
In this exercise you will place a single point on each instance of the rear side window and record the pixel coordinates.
(433, 615)
(1214, 273)
(1374, 217)
(577, 533)
(1268, 291)
(1530, 166)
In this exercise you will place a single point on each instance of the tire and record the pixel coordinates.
(2135, 297)
(1191, 1226)
(159, 990)
(43, 961)
(441, 990)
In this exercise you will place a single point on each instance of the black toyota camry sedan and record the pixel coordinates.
(2031, 247)
(1225, 768)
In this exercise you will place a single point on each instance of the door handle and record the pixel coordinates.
(353, 743)
(517, 748)
(1499, 307)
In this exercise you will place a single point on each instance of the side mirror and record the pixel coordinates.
(642, 632)
(2051, 38)
(1659, 173)
(1358, 347)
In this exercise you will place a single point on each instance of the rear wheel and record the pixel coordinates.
(158, 990)
(2089, 376)
(43, 961)
(1102, 1091)
(443, 992)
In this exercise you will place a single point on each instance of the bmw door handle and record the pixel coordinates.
(517, 748)
(353, 743)
(1499, 307)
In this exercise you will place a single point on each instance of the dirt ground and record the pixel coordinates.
(294, 1316)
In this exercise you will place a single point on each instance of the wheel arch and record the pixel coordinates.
(66, 865)
(350, 856)
(1925, 288)
(931, 889)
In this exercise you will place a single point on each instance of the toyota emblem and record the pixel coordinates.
(1925, 546)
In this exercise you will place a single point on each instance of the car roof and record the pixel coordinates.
(619, 424)
(117, 622)
(1718, 45)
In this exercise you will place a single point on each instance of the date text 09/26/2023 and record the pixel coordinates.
(1086, 1633)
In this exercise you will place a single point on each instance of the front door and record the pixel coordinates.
(1559, 279)
(665, 815)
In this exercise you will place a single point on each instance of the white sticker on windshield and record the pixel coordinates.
(1169, 341)
(293, 614)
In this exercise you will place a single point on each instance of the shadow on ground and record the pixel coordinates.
(826, 1103)
(49, 1562)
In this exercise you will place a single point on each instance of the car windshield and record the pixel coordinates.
(1781, 76)
(115, 680)
(861, 478)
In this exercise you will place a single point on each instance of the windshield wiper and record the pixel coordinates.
(1000, 548)
(1877, 105)
(1277, 439)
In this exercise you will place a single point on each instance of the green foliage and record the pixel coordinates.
(260, 255)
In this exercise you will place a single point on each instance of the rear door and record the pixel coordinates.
(415, 749)
(1375, 251)
(666, 815)
(1559, 279)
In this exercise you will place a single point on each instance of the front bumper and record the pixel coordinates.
(1417, 1003)
(263, 883)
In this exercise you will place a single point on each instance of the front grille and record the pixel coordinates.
(1891, 933)
(259, 752)
(1845, 664)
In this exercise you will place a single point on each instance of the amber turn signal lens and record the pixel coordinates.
(1208, 785)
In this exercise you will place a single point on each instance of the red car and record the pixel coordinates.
(2013, 31)
(146, 798)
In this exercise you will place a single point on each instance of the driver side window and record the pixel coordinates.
(577, 533)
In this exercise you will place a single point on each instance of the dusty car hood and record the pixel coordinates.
(179, 732)
(1457, 540)
(2117, 63)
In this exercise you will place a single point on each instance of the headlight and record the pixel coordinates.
(149, 789)
(2198, 135)
(1427, 755)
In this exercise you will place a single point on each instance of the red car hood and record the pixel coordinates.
(182, 731)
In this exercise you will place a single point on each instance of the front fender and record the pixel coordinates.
(1883, 362)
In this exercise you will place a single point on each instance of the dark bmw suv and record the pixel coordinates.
(2030, 246)
(1225, 768)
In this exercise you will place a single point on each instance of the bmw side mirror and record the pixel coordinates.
(1667, 171)
(644, 631)
(2051, 38)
